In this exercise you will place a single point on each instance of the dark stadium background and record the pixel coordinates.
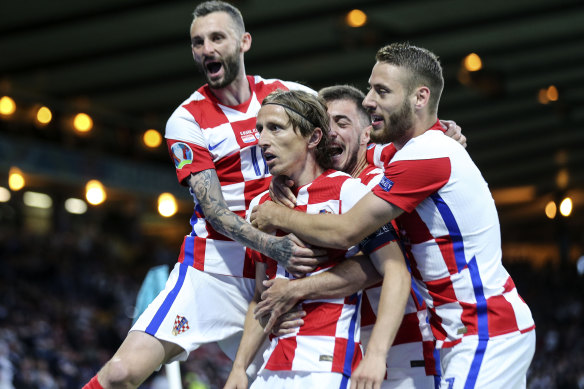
(68, 282)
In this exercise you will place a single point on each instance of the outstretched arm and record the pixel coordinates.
(328, 230)
(390, 262)
(251, 340)
(289, 252)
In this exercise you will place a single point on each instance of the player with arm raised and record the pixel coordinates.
(212, 139)
(484, 330)
(293, 135)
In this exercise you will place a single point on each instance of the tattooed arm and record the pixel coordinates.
(288, 250)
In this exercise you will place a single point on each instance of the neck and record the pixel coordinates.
(308, 173)
(361, 163)
(235, 93)
(422, 123)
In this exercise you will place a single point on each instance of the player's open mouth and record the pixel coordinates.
(269, 157)
(213, 67)
(376, 120)
(335, 150)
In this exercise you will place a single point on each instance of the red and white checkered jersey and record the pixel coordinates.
(380, 155)
(451, 230)
(414, 328)
(204, 134)
(329, 339)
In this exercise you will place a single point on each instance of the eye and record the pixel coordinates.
(196, 42)
(382, 91)
(217, 38)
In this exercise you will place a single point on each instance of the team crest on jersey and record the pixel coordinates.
(182, 154)
(326, 209)
(181, 324)
(386, 184)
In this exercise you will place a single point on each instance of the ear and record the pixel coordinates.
(245, 42)
(315, 138)
(422, 97)
(365, 136)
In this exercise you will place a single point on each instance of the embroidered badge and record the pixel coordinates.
(324, 210)
(386, 184)
(181, 324)
(181, 154)
(325, 358)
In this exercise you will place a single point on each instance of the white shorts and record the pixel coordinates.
(406, 368)
(400, 372)
(197, 308)
(268, 379)
(503, 363)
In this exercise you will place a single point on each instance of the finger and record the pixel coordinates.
(280, 331)
(291, 316)
(260, 311)
(308, 252)
(271, 323)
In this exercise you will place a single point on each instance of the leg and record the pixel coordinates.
(137, 358)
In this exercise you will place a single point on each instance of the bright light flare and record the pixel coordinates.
(167, 205)
(95, 192)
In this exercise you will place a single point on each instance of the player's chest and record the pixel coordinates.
(229, 138)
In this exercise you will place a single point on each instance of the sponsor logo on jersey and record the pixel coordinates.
(213, 147)
(324, 210)
(181, 324)
(249, 136)
(386, 184)
(182, 154)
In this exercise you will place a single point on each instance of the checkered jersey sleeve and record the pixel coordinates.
(256, 256)
(408, 182)
(186, 145)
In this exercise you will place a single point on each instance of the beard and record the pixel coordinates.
(231, 65)
(399, 123)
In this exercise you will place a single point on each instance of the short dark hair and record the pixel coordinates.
(209, 7)
(423, 65)
(346, 92)
(306, 112)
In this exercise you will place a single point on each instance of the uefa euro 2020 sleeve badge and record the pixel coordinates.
(181, 324)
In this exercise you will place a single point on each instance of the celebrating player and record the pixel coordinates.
(410, 361)
(213, 141)
(293, 130)
(484, 330)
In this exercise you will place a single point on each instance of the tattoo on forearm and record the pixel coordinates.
(207, 189)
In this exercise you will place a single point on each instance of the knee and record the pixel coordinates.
(117, 374)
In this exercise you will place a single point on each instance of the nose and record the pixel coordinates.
(208, 47)
(368, 102)
(263, 141)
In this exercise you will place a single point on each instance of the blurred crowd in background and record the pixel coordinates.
(67, 300)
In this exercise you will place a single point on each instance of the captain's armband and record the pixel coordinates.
(383, 236)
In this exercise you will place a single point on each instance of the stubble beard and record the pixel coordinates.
(399, 124)
(231, 65)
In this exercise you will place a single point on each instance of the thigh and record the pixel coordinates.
(197, 308)
(140, 354)
(500, 362)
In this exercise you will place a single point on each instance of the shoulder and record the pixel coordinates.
(431, 144)
(271, 84)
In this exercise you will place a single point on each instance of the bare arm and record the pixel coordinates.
(344, 279)
(390, 262)
(328, 230)
(288, 251)
(251, 340)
